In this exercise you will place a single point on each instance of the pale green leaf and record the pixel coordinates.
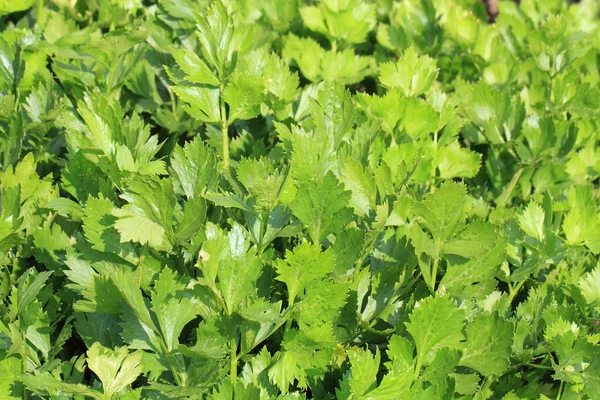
(362, 185)
(322, 206)
(215, 32)
(458, 162)
(302, 265)
(419, 120)
(581, 227)
(195, 166)
(147, 218)
(413, 74)
(195, 69)
(116, 368)
(9, 6)
(244, 95)
(590, 286)
(436, 322)
(203, 102)
(173, 309)
(443, 211)
(531, 220)
(363, 372)
(283, 371)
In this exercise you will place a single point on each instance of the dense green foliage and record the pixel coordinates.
(280, 199)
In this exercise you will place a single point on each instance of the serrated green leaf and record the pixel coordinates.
(195, 166)
(203, 102)
(195, 69)
(362, 376)
(435, 323)
(333, 112)
(413, 74)
(362, 185)
(488, 344)
(229, 257)
(581, 227)
(348, 21)
(485, 250)
(116, 369)
(98, 226)
(323, 301)
(147, 218)
(400, 352)
(244, 95)
(173, 310)
(590, 286)
(283, 371)
(215, 32)
(322, 207)
(43, 383)
(318, 64)
(442, 212)
(302, 266)
(458, 162)
(532, 221)
(419, 120)
(441, 366)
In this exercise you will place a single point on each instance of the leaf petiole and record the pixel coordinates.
(224, 127)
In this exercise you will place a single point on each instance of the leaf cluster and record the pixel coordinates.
(286, 199)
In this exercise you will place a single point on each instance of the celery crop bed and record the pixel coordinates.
(289, 199)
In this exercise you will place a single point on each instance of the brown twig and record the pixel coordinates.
(492, 9)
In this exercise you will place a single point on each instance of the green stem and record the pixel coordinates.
(288, 323)
(538, 366)
(264, 219)
(561, 388)
(549, 104)
(511, 186)
(174, 372)
(334, 46)
(486, 384)
(233, 360)
(369, 328)
(434, 274)
(24, 370)
(366, 252)
(515, 291)
(224, 128)
(40, 11)
(418, 368)
(111, 77)
(173, 105)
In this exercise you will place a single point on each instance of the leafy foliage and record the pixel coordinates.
(288, 199)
